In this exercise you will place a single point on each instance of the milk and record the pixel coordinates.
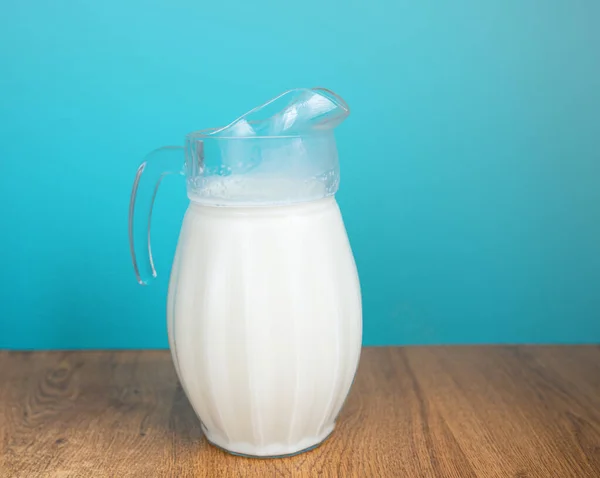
(264, 318)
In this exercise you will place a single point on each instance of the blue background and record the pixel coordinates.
(470, 164)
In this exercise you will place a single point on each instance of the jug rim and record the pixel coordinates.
(210, 132)
(207, 133)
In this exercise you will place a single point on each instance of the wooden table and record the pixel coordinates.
(413, 412)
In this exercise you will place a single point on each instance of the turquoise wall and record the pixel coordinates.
(471, 162)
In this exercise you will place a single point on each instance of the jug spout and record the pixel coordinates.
(293, 113)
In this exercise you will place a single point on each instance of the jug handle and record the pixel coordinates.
(155, 166)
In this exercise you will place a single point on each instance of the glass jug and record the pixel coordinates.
(264, 308)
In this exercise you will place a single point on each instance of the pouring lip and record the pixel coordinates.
(340, 101)
(210, 133)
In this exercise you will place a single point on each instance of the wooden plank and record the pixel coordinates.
(417, 412)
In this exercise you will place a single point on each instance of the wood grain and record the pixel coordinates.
(413, 412)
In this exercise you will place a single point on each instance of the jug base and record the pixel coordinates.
(274, 451)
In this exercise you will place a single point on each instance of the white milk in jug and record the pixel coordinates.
(264, 316)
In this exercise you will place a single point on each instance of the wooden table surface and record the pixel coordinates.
(413, 412)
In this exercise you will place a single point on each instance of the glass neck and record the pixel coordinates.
(261, 170)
